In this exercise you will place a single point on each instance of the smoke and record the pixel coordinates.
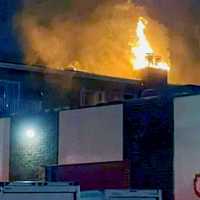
(93, 35)
(182, 19)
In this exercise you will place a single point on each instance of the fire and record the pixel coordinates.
(144, 55)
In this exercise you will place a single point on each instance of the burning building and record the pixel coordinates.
(37, 87)
(42, 104)
(143, 132)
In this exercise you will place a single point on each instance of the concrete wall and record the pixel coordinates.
(91, 135)
(187, 146)
(4, 148)
(34, 143)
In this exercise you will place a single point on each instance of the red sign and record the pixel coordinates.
(197, 185)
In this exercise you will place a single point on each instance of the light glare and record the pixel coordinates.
(30, 133)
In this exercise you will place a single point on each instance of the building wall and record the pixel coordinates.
(57, 90)
(91, 135)
(187, 146)
(148, 143)
(4, 148)
(33, 144)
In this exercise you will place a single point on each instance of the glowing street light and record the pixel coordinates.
(30, 133)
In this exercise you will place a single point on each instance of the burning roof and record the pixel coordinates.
(99, 41)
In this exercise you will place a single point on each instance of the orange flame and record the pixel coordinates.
(144, 55)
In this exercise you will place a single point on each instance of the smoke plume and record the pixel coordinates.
(93, 35)
(182, 19)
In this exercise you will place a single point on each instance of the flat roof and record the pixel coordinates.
(72, 72)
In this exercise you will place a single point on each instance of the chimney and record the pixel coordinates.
(154, 77)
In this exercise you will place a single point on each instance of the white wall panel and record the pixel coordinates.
(91, 135)
(4, 148)
(187, 146)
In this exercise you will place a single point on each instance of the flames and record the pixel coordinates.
(143, 53)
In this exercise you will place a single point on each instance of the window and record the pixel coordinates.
(91, 97)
